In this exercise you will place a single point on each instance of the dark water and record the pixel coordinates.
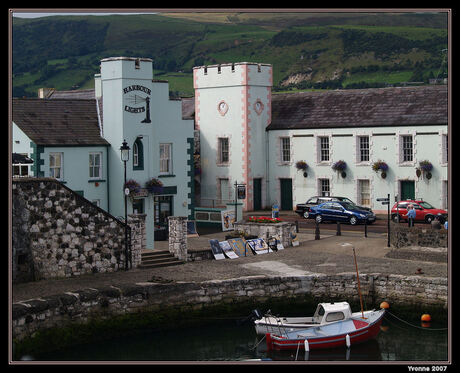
(232, 341)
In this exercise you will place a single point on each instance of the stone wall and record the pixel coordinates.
(418, 235)
(263, 230)
(58, 233)
(92, 304)
(177, 244)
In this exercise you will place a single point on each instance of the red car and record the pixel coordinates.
(424, 212)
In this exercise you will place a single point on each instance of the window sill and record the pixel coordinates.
(96, 181)
(167, 175)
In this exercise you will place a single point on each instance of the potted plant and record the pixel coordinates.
(380, 166)
(133, 186)
(340, 166)
(302, 166)
(154, 186)
(426, 167)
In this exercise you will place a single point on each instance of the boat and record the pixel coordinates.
(332, 325)
(325, 313)
(356, 329)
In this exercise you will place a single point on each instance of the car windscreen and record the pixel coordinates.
(426, 205)
(349, 206)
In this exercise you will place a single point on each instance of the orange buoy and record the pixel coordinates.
(426, 317)
(426, 324)
(384, 305)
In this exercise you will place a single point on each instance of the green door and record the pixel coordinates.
(286, 194)
(257, 194)
(407, 190)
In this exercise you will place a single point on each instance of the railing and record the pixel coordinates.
(213, 203)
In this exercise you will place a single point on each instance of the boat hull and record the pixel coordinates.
(363, 331)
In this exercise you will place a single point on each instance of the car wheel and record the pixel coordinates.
(319, 219)
(429, 219)
(353, 220)
(396, 218)
(306, 214)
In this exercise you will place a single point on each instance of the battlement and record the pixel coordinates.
(233, 74)
(126, 68)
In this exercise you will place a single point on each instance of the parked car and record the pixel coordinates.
(424, 211)
(344, 212)
(302, 208)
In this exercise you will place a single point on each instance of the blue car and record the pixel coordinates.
(343, 212)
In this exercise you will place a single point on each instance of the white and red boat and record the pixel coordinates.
(353, 330)
(325, 313)
(332, 325)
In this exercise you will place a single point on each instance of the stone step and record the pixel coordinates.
(156, 259)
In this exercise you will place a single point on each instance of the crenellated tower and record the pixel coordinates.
(232, 110)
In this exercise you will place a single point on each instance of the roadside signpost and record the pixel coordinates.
(386, 201)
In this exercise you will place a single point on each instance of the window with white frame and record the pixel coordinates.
(56, 165)
(21, 170)
(324, 149)
(285, 149)
(223, 148)
(407, 148)
(95, 165)
(165, 159)
(324, 187)
(363, 152)
(364, 196)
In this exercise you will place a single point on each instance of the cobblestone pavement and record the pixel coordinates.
(330, 255)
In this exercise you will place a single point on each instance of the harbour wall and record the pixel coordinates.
(37, 317)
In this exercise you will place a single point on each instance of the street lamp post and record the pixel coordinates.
(125, 158)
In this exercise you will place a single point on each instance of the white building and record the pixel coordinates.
(75, 137)
(249, 135)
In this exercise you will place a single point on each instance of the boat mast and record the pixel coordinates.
(359, 285)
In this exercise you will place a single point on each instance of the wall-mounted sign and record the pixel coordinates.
(137, 96)
(241, 189)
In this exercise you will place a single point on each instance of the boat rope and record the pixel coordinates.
(297, 353)
(258, 343)
(415, 326)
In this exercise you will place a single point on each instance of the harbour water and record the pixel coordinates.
(232, 340)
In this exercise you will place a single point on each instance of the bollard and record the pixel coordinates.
(365, 228)
(339, 232)
(317, 231)
(297, 226)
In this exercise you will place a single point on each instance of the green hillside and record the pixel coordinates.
(322, 50)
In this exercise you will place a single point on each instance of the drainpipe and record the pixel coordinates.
(267, 165)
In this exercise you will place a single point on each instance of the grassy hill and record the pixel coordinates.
(307, 50)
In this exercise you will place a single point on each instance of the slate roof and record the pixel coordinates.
(420, 105)
(58, 122)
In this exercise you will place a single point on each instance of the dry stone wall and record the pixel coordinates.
(419, 235)
(58, 233)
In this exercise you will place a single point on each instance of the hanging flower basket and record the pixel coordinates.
(340, 166)
(133, 186)
(425, 167)
(154, 186)
(380, 166)
(302, 166)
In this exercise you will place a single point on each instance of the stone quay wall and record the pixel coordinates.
(401, 235)
(58, 233)
(80, 307)
(282, 230)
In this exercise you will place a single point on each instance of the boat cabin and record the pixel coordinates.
(329, 312)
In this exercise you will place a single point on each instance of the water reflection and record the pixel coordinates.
(232, 341)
